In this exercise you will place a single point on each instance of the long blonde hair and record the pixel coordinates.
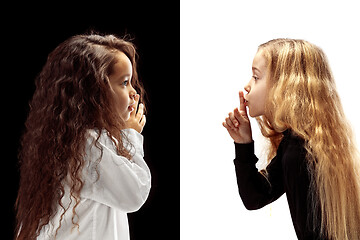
(302, 97)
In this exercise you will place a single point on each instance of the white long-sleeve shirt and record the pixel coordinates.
(113, 186)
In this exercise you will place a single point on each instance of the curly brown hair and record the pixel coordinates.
(72, 95)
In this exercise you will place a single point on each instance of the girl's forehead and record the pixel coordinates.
(121, 57)
(123, 65)
(259, 62)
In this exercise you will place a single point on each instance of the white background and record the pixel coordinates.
(218, 42)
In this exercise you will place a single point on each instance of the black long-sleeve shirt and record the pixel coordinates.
(287, 173)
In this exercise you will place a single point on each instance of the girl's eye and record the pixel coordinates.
(255, 78)
(125, 83)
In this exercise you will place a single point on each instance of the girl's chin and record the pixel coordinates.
(253, 114)
(126, 116)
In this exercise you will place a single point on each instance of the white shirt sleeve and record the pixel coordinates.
(113, 180)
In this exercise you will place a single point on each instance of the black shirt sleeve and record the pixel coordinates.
(286, 173)
(255, 189)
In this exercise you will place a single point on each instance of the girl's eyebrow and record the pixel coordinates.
(255, 69)
(122, 78)
(125, 76)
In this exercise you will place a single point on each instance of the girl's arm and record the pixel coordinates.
(256, 189)
(112, 179)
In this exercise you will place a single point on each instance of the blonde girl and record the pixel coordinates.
(312, 155)
(82, 167)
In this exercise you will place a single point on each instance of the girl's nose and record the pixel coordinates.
(133, 94)
(247, 88)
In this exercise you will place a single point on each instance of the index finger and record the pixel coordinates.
(242, 101)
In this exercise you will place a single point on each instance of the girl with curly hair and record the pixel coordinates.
(312, 157)
(81, 160)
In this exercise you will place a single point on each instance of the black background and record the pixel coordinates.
(30, 32)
